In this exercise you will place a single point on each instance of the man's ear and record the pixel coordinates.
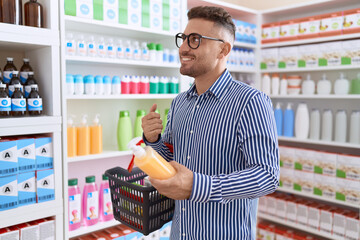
(226, 48)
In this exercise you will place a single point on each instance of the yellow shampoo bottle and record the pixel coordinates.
(150, 162)
(96, 136)
(83, 138)
(71, 138)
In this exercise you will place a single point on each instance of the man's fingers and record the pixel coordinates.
(153, 107)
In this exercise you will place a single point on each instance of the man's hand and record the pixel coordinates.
(178, 187)
(152, 125)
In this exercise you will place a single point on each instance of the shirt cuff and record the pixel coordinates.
(155, 145)
(201, 190)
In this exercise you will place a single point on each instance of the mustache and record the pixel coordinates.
(186, 55)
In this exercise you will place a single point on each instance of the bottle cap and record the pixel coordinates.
(84, 120)
(104, 177)
(138, 151)
(32, 74)
(89, 79)
(278, 105)
(159, 47)
(79, 79)
(140, 113)
(16, 72)
(342, 75)
(151, 46)
(96, 119)
(70, 121)
(324, 76)
(69, 78)
(2, 85)
(10, 59)
(90, 179)
(275, 75)
(34, 86)
(98, 79)
(106, 79)
(116, 79)
(124, 114)
(154, 79)
(18, 85)
(73, 182)
(26, 60)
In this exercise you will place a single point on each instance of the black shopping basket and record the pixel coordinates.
(140, 207)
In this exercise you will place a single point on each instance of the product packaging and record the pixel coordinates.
(289, 30)
(288, 57)
(270, 33)
(269, 58)
(308, 55)
(351, 52)
(8, 192)
(44, 152)
(26, 188)
(45, 185)
(8, 157)
(351, 21)
(309, 27)
(331, 24)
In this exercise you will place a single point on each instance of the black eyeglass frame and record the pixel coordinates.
(179, 35)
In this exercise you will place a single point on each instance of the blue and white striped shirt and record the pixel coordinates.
(227, 137)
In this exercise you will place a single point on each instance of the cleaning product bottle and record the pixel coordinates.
(342, 85)
(275, 84)
(96, 136)
(315, 124)
(327, 125)
(106, 209)
(283, 85)
(74, 204)
(83, 137)
(71, 138)
(18, 102)
(8, 70)
(34, 102)
(355, 127)
(30, 81)
(324, 86)
(340, 126)
(5, 102)
(308, 86)
(266, 84)
(289, 121)
(90, 202)
(124, 130)
(25, 70)
(302, 122)
(354, 86)
(150, 162)
(278, 119)
(14, 81)
(138, 131)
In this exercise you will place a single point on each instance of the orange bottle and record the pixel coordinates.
(83, 138)
(71, 139)
(150, 162)
(96, 137)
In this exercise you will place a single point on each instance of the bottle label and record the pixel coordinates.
(7, 76)
(5, 104)
(27, 90)
(92, 203)
(74, 209)
(18, 104)
(24, 77)
(120, 52)
(35, 104)
(12, 89)
(128, 53)
(107, 204)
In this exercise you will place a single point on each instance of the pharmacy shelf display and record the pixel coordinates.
(123, 96)
(105, 154)
(312, 69)
(316, 96)
(96, 227)
(41, 46)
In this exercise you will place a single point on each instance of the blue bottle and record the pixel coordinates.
(289, 121)
(279, 119)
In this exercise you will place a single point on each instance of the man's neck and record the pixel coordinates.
(205, 81)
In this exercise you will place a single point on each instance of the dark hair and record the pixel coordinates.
(215, 14)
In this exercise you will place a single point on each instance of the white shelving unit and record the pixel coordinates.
(123, 96)
(315, 96)
(104, 155)
(41, 46)
(96, 227)
(314, 69)
(319, 142)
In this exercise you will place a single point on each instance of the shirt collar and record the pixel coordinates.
(217, 89)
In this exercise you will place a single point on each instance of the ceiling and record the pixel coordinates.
(264, 4)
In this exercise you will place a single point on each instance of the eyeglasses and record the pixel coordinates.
(193, 39)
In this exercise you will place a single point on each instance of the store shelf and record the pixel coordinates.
(235, 69)
(105, 154)
(96, 227)
(91, 61)
(17, 37)
(77, 24)
(277, 220)
(123, 96)
(318, 197)
(315, 69)
(30, 212)
(324, 143)
(315, 96)
(312, 40)
(245, 45)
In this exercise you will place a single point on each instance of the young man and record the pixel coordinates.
(223, 136)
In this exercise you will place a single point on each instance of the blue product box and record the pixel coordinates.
(26, 154)
(253, 33)
(44, 153)
(45, 185)
(132, 236)
(8, 192)
(8, 157)
(26, 188)
(165, 231)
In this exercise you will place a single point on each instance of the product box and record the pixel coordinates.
(286, 178)
(289, 30)
(174, 26)
(152, 236)
(331, 24)
(175, 11)
(351, 21)
(265, 231)
(70, 7)
(7, 233)
(26, 154)
(351, 52)
(302, 212)
(305, 160)
(352, 225)
(44, 152)
(314, 214)
(45, 185)
(326, 219)
(330, 54)
(270, 32)
(339, 223)
(46, 228)
(308, 55)
(304, 181)
(110, 10)
(309, 27)
(263, 204)
(253, 35)
(325, 163)
(269, 58)
(26, 188)
(348, 167)
(165, 231)
(28, 231)
(348, 191)
(291, 210)
(8, 157)
(84, 9)
(271, 204)
(134, 13)
(113, 233)
(325, 186)
(247, 36)
(282, 233)
(240, 31)
(288, 57)
(280, 204)
(8, 192)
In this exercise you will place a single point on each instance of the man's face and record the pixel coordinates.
(196, 62)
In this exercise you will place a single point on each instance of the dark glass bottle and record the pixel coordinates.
(5, 101)
(14, 81)
(24, 70)
(18, 102)
(34, 102)
(11, 11)
(33, 14)
(30, 81)
(8, 69)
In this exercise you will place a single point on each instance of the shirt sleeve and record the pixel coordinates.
(159, 146)
(259, 144)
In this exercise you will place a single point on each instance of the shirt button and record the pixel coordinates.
(183, 209)
(197, 106)
(188, 157)
(183, 234)
(191, 131)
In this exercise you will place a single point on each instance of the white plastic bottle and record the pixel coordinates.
(342, 85)
(91, 47)
(283, 85)
(137, 51)
(128, 50)
(308, 86)
(302, 122)
(266, 84)
(327, 125)
(110, 48)
(79, 85)
(324, 86)
(120, 51)
(315, 124)
(355, 127)
(100, 47)
(275, 84)
(340, 126)
(70, 44)
(145, 55)
(81, 46)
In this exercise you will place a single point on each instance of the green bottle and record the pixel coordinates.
(124, 130)
(138, 131)
(164, 85)
(355, 85)
(165, 119)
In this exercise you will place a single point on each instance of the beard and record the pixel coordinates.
(195, 69)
